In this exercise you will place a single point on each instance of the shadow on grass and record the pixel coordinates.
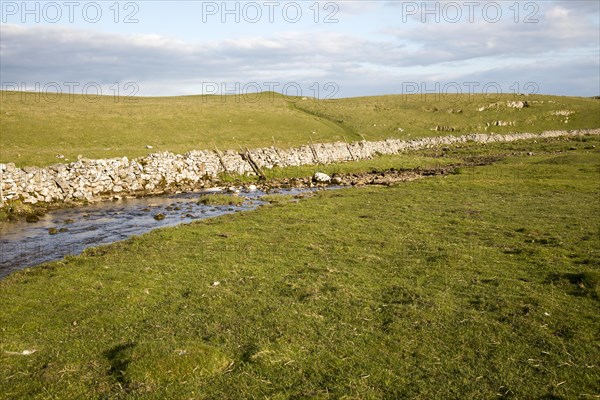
(119, 358)
(582, 284)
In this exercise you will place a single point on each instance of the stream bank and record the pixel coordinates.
(94, 180)
(69, 231)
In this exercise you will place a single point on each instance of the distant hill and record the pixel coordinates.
(35, 128)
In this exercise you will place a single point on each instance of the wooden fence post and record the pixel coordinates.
(348, 147)
(221, 159)
(312, 148)
(254, 165)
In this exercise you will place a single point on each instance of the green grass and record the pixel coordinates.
(34, 132)
(219, 199)
(18, 209)
(478, 285)
(381, 117)
(277, 198)
(35, 129)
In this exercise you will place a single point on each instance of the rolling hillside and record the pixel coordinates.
(35, 129)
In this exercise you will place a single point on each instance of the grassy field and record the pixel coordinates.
(36, 128)
(39, 130)
(479, 285)
(411, 116)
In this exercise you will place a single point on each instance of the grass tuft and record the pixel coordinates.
(219, 199)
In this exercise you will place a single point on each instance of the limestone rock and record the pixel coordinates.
(320, 177)
(336, 180)
(517, 104)
(90, 180)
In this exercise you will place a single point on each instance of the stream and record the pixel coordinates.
(24, 244)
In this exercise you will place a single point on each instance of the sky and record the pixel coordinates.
(324, 49)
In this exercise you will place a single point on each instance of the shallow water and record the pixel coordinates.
(25, 244)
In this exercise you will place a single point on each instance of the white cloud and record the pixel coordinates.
(558, 51)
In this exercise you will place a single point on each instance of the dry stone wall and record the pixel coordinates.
(161, 172)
